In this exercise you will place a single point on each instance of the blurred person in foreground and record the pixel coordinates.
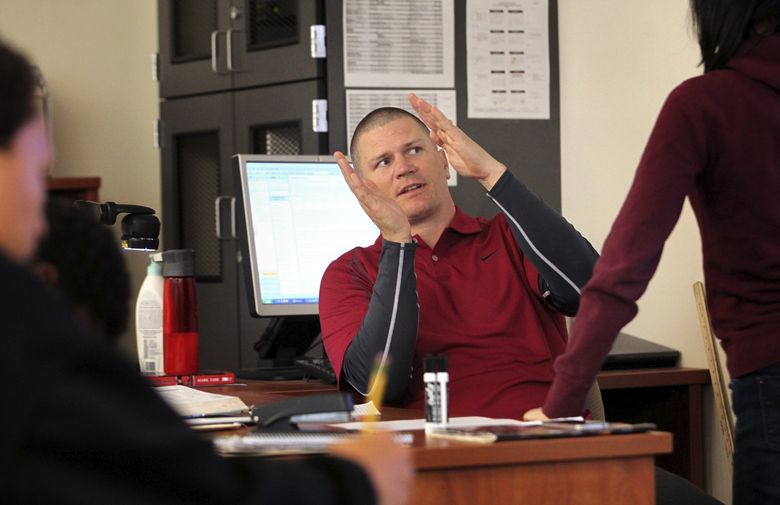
(82, 426)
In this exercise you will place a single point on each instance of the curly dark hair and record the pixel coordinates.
(17, 89)
(91, 268)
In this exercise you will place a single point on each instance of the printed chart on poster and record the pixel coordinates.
(399, 44)
(508, 59)
(362, 101)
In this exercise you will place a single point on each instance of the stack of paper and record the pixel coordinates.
(190, 402)
(419, 424)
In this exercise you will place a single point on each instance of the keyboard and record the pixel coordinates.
(317, 368)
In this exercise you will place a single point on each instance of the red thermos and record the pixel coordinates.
(180, 315)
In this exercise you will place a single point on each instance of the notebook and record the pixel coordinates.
(190, 402)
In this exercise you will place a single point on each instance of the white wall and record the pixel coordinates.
(618, 62)
(95, 56)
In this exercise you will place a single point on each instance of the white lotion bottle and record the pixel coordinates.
(149, 319)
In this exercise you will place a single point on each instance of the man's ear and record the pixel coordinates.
(46, 272)
(445, 162)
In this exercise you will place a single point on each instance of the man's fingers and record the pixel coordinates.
(346, 168)
(353, 180)
(430, 114)
(420, 105)
(443, 130)
(365, 196)
(424, 110)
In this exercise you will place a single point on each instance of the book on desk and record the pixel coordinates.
(204, 378)
(545, 429)
(188, 402)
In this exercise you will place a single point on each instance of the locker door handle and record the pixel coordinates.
(229, 38)
(214, 51)
(218, 217)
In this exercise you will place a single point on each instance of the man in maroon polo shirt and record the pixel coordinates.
(489, 294)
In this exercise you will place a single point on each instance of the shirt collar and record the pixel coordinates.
(465, 224)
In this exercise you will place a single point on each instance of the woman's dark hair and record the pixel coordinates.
(91, 269)
(17, 89)
(723, 25)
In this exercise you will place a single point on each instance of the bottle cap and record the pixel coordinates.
(429, 364)
(155, 265)
(178, 263)
(435, 364)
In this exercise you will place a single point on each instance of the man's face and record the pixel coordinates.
(406, 167)
(23, 168)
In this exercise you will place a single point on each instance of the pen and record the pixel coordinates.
(216, 427)
(219, 419)
(376, 391)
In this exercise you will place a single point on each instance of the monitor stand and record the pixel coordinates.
(278, 347)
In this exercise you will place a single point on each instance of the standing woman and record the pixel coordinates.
(716, 141)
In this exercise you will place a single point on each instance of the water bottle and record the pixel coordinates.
(180, 315)
(149, 319)
(436, 380)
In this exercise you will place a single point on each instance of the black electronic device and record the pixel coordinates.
(633, 352)
(140, 227)
(317, 368)
(294, 215)
(286, 415)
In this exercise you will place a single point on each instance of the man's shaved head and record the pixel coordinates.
(376, 119)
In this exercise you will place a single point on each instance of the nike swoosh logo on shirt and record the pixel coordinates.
(486, 256)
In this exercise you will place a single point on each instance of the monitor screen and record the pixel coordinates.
(298, 216)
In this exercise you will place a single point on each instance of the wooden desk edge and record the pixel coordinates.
(454, 454)
(652, 377)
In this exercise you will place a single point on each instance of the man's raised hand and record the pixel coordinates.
(465, 155)
(386, 214)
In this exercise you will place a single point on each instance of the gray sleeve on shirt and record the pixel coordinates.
(389, 328)
(563, 258)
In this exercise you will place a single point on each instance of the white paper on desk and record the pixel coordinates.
(365, 409)
(188, 402)
(419, 424)
(399, 43)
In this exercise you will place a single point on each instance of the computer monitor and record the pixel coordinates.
(298, 216)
